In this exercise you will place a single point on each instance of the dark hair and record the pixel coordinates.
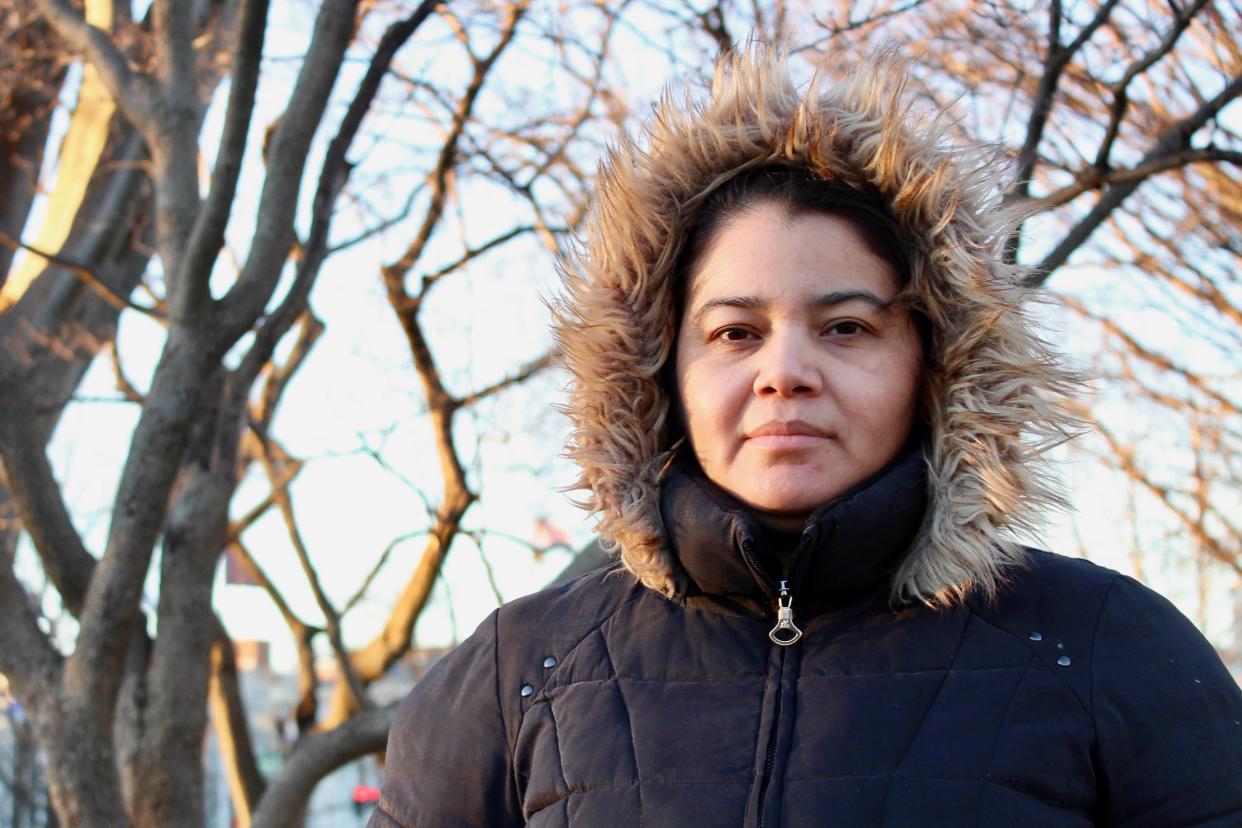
(797, 191)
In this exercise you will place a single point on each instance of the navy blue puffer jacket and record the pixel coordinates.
(1076, 698)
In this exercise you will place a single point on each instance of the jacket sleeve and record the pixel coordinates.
(1168, 717)
(448, 763)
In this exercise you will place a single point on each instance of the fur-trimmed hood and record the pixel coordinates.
(993, 392)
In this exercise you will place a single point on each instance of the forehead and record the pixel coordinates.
(767, 253)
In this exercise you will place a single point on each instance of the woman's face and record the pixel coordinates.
(797, 376)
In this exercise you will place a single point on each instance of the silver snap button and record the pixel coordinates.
(527, 690)
(549, 662)
(1036, 637)
(1064, 661)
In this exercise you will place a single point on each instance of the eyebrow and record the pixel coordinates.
(827, 300)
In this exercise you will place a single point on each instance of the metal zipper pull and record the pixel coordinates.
(784, 633)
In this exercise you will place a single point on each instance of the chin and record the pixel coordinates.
(790, 497)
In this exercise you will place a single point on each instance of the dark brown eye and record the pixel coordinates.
(733, 334)
(847, 327)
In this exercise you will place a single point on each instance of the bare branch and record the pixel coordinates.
(1124, 457)
(595, 86)
(303, 634)
(40, 504)
(278, 376)
(290, 466)
(1206, 291)
(332, 180)
(1121, 97)
(835, 29)
(386, 224)
(1088, 180)
(242, 556)
(26, 657)
(1173, 140)
(280, 494)
(207, 235)
(521, 375)
(372, 660)
(489, 571)
(365, 587)
(317, 755)
(534, 548)
(543, 229)
(85, 275)
(287, 150)
(440, 403)
(471, 253)
(172, 23)
(1055, 61)
(394, 274)
(133, 91)
(123, 385)
(228, 717)
(1194, 379)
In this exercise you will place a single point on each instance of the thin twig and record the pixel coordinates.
(85, 275)
(332, 619)
(362, 590)
(521, 375)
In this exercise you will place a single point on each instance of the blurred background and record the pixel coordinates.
(278, 413)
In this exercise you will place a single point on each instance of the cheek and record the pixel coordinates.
(694, 392)
(708, 403)
(899, 397)
(881, 396)
(675, 381)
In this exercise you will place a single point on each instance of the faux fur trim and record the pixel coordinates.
(994, 391)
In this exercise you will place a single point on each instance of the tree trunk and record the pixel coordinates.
(81, 768)
(180, 671)
(228, 719)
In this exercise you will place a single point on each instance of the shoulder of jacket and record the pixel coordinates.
(1049, 595)
(556, 619)
(1048, 589)
(1053, 604)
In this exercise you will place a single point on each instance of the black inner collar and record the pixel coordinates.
(850, 545)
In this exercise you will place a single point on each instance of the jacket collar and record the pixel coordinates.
(850, 546)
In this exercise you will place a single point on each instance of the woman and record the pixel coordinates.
(809, 410)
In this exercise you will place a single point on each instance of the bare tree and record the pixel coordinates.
(152, 693)
(119, 705)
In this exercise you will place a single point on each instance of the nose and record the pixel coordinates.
(787, 367)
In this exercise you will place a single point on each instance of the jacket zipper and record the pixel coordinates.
(770, 761)
(785, 632)
(783, 635)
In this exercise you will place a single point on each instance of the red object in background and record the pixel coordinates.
(365, 794)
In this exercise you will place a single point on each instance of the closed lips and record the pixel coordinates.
(787, 435)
